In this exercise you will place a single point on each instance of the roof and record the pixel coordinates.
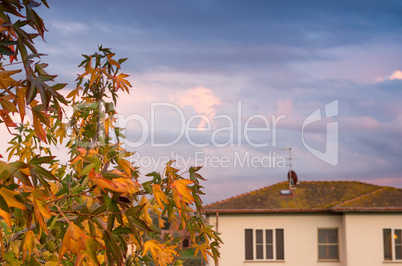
(314, 196)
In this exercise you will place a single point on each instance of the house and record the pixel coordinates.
(337, 223)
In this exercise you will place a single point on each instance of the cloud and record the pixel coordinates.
(203, 101)
(359, 123)
(396, 75)
(69, 28)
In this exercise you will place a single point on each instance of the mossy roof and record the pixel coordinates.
(314, 196)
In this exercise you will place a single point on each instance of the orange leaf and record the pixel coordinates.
(80, 244)
(6, 118)
(181, 187)
(40, 133)
(21, 102)
(40, 208)
(6, 216)
(125, 185)
(71, 241)
(82, 151)
(11, 201)
(122, 82)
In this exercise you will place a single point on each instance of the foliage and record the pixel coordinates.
(93, 210)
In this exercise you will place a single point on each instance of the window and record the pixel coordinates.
(389, 245)
(328, 244)
(264, 244)
(186, 243)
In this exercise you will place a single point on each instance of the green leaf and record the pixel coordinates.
(44, 173)
(121, 230)
(82, 209)
(157, 177)
(40, 160)
(88, 168)
(4, 171)
(3, 204)
(4, 50)
(115, 209)
(139, 223)
(112, 247)
(100, 209)
(6, 42)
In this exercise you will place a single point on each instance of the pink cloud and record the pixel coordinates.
(359, 123)
(396, 75)
(203, 101)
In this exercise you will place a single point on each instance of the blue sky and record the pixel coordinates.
(271, 58)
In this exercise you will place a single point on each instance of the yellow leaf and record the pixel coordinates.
(39, 200)
(52, 263)
(126, 165)
(60, 132)
(112, 61)
(161, 253)
(25, 171)
(15, 247)
(159, 195)
(153, 246)
(107, 125)
(29, 244)
(145, 215)
(5, 79)
(8, 105)
(11, 201)
(54, 167)
(6, 216)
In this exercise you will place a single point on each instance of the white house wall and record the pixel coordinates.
(360, 237)
(364, 238)
(300, 237)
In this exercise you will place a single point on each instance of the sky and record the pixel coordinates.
(231, 85)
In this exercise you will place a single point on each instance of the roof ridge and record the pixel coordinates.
(360, 196)
(241, 195)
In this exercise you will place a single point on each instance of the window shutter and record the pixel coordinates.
(269, 245)
(249, 244)
(280, 249)
(387, 244)
(259, 245)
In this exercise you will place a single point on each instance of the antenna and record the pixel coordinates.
(292, 177)
(289, 158)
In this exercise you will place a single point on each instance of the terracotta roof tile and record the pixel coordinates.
(313, 196)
